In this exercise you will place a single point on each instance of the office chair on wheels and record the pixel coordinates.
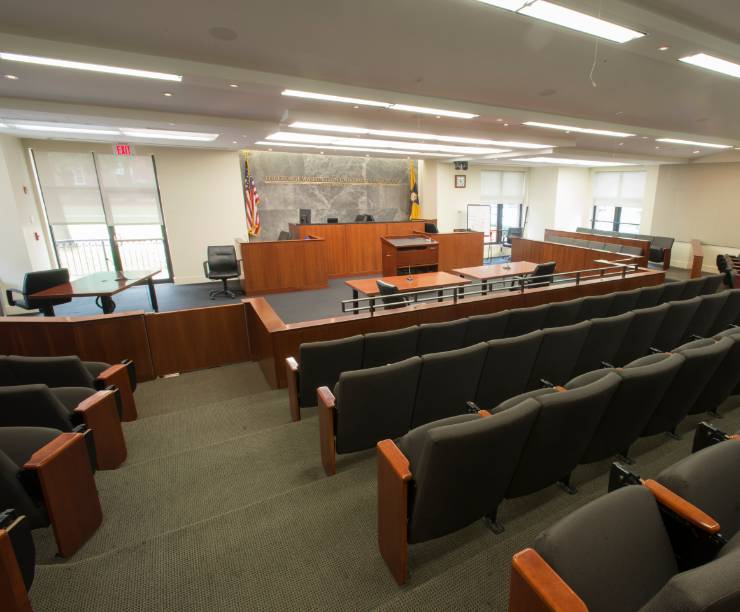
(222, 265)
(34, 282)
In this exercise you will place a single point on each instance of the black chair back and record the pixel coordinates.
(391, 297)
(283, 235)
(222, 260)
(431, 228)
(34, 282)
(545, 270)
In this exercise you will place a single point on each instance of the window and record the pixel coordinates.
(104, 212)
(505, 191)
(617, 201)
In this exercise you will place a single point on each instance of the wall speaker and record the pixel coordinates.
(461, 165)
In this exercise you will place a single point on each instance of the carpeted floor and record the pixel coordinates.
(222, 505)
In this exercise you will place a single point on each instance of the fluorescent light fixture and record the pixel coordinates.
(376, 103)
(386, 144)
(168, 134)
(60, 63)
(328, 98)
(433, 111)
(568, 18)
(326, 127)
(2, 125)
(337, 148)
(693, 143)
(66, 129)
(564, 161)
(713, 63)
(573, 128)
(514, 154)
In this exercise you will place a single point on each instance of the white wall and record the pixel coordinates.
(427, 183)
(573, 199)
(23, 246)
(542, 191)
(201, 195)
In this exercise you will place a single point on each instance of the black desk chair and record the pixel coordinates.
(541, 276)
(391, 298)
(222, 265)
(513, 232)
(38, 281)
(431, 228)
(284, 235)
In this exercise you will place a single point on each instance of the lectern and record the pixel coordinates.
(409, 255)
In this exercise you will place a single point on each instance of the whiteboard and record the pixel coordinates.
(479, 218)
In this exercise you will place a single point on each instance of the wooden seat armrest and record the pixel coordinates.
(394, 477)
(291, 370)
(13, 594)
(326, 430)
(734, 437)
(65, 477)
(484, 413)
(536, 587)
(682, 507)
(118, 376)
(99, 412)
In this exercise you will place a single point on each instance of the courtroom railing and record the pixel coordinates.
(506, 284)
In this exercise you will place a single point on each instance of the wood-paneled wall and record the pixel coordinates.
(459, 250)
(567, 258)
(272, 340)
(644, 245)
(284, 265)
(354, 248)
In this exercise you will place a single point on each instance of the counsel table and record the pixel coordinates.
(104, 285)
(417, 282)
(496, 271)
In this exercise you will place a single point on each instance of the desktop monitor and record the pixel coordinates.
(332, 220)
(304, 216)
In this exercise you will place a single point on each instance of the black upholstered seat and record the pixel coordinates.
(624, 301)
(563, 313)
(222, 265)
(596, 306)
(323, 362)
(640, 334)
(725, 379)
(482, 328)
(374, 404)
(558, 354)
(37, 406)
(710, 479)
(672, 330)
(448, 380)
(506, 368)
(437, 337)
(672, 291)
(461, 468)
(390, 346)
(702, 358)
(631, 406)
(33, 282)
(712, 284)
(602, 343)
(649, 296)
(693, 287)
(730, 313)
(706, 314)
(525, 320)
(563, 430)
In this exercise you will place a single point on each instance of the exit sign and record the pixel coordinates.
(122, 149)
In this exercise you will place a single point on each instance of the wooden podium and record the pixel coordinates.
(409, 255)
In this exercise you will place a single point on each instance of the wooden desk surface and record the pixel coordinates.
(418, 282)
(497, 270)
(404, 242)
(99, 283)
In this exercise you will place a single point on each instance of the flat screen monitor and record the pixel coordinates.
(332, 220)
(304, 216)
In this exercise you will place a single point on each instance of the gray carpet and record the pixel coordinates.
(223, 505)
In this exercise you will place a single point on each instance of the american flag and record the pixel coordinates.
(251, 200)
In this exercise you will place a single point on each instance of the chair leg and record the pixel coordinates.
(672, 434)
(492, 523)
(564, 484)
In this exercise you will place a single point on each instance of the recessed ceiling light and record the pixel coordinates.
(657, 147)
(66, 129)
(347, 129)
(621, 144)
(168, 134)
(644, 137)
(697, 152)
(297, 145)
(568, 18)
(378, 104)
(234, 85)
(2, 125)
(506, 125)
(571, 128)
(663, 48)
(564, 161)
(60, 63)
(12, 77)
(499, 120)
(713, 63)
(693, 143)
(234, 142)
(167, 94)
(385, 144)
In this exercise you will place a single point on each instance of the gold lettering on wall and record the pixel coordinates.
(327, 180)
